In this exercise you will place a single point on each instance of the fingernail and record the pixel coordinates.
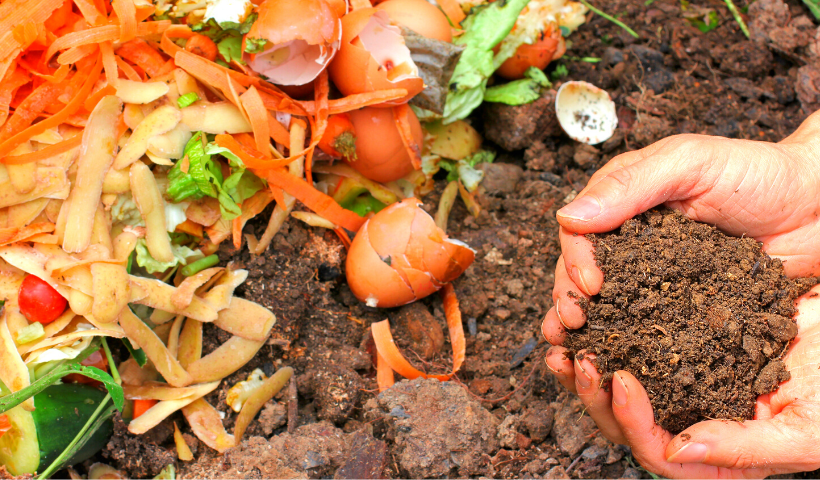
(620, 395)
(690, 453)
(584, 380)
(558, 313)
(576, 272)
(584, 208)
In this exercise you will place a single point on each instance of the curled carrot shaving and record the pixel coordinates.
(127, 14)
(94, 99)
(55, 120)
(127, 69)
(343, 236)
(321, 94)
(401, 114)
(29, 109)
(142, 406)
(47, 152)
(75, 54)
(356, 101)
(384, 374)
(313, 199)
(90, 12)
(387, 348)
(109, 62)
(140, 53)
(258, 118)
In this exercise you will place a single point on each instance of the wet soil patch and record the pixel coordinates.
(700, 318)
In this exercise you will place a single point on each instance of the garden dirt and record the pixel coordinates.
(700, 318)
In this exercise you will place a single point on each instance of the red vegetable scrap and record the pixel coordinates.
(39, 301)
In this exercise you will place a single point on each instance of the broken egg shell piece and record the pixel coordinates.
(302, 39)
(373, 56)
(371, 279)
(406, 239)
(585, 112)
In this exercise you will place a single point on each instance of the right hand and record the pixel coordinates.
(767, 191)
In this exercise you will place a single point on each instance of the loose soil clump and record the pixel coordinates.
(700, 318)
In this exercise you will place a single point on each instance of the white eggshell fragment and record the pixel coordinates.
(585, 112)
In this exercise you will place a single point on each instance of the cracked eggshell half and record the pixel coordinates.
(400, 256)
(585, 112)
(302, 38)
(373, 57)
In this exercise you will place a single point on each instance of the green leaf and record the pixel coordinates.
(167, 473)
(705, 23)
(519, 92)
(487, 26)
(230, 48)
(137, 354)
(255, 45)
(182, 255)
(187, 99)
(560, 71)
(10, 401)
(814, 7)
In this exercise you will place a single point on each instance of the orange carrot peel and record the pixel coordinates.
(388, 350)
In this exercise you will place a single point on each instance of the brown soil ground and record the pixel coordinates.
(700, 318)
(503, 416)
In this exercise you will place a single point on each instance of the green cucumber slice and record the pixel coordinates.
(61, 411)
(37, 438)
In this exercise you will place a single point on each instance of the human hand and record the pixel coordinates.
(780, 439)
(767, 191)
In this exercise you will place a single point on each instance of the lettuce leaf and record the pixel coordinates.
(204, 178)
(485, 28)
(464, 170)
(519, 92)
(182, 255)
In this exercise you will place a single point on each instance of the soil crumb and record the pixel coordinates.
(700, 318)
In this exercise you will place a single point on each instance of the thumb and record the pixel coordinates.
(784, 443)
(669, 174)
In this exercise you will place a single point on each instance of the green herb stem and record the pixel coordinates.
(113, 366)
(814, 7)
(738, 18)
(200, 265)
(610, 18)
(66, 454)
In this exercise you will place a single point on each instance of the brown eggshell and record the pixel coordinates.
(537, 55)
(381, 155)
(418, 252)
(281, 21)
(369, 277)
(354, 70)
(419, 16)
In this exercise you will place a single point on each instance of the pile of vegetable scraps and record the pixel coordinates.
(137, 137)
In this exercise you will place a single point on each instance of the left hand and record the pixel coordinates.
(782, 437)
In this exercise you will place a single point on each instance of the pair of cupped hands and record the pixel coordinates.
(767, 191)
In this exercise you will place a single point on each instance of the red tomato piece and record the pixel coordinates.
(39, 302)
(5, 424)
(96, 359)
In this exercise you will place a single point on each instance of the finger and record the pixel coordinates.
(596, 398)
(633, 411)
(579, 260)
(785, 443)
(552, 329)
(560, 364)
(636, 188)
(623, 160)
(565, 297)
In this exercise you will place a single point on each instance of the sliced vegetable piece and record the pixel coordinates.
(259, 398)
